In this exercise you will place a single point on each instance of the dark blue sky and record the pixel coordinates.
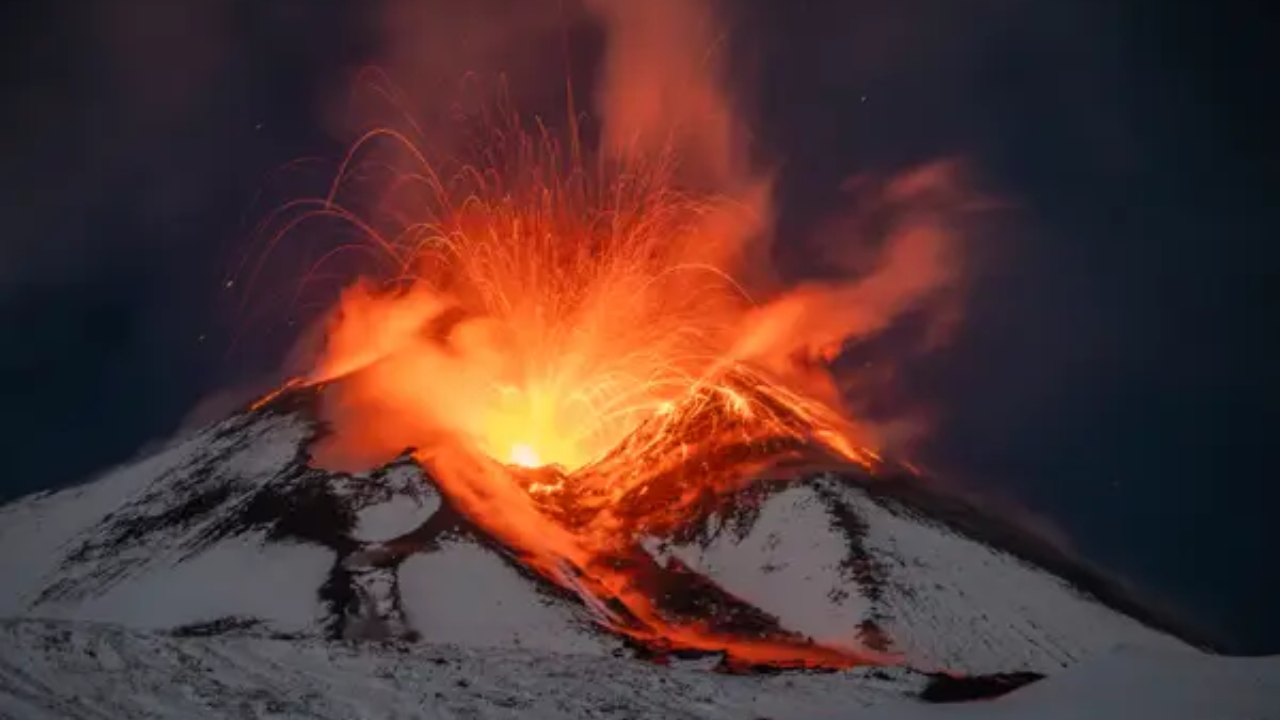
(1113, 372)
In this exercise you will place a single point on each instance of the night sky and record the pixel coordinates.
(1112, 374)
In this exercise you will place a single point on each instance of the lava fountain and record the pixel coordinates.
(576, 344)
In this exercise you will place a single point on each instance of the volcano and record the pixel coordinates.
(234, 532)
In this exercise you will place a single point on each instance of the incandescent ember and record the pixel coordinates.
(584, 344)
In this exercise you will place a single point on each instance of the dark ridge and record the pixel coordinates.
(220, 626)
(339, 593)
(291, 400)
(949, 689)
(197, 485)
(692, 654)
(859, 565)
(906, 494)
(175, 501)
(446, 523)
(872, 635)
(120, 530)
(735, 515)
(683, 593)
(339, 597)
(379, 613)
(303, 509)
(679, 495)
(729, 665)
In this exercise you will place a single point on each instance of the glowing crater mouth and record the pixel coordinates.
(525, 456)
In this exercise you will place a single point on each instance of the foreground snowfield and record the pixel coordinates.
(56, 670)
(1132, 684)
(73, 670)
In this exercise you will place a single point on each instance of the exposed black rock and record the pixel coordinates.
(221, 626)
(951, 689)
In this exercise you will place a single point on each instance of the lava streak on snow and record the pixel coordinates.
(583, 344)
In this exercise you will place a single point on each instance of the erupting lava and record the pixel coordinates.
(542, 324)
(567, 354)
(556, 344)
(566, 338)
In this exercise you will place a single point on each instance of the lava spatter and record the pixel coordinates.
(584, 343)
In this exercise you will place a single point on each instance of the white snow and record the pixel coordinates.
(75, 671)
(961, 605)
(1132, 684)
(240, 577)
(402, 513)
(947, 602)
(789, 566)
(72, 671)
(151, 583)
(273, 446)
(467, 595)
(34, 531)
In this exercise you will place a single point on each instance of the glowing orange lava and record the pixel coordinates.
(543, 311)
(568, 321)
(567, 339)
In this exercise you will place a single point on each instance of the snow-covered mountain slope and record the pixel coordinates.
(73, 671)
(835, 561)
(233, 532)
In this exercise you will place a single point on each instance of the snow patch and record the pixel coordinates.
(789, 564)
(36, 530)
(465, 594)
(239, 577)
(954, 603)
(399, 515)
